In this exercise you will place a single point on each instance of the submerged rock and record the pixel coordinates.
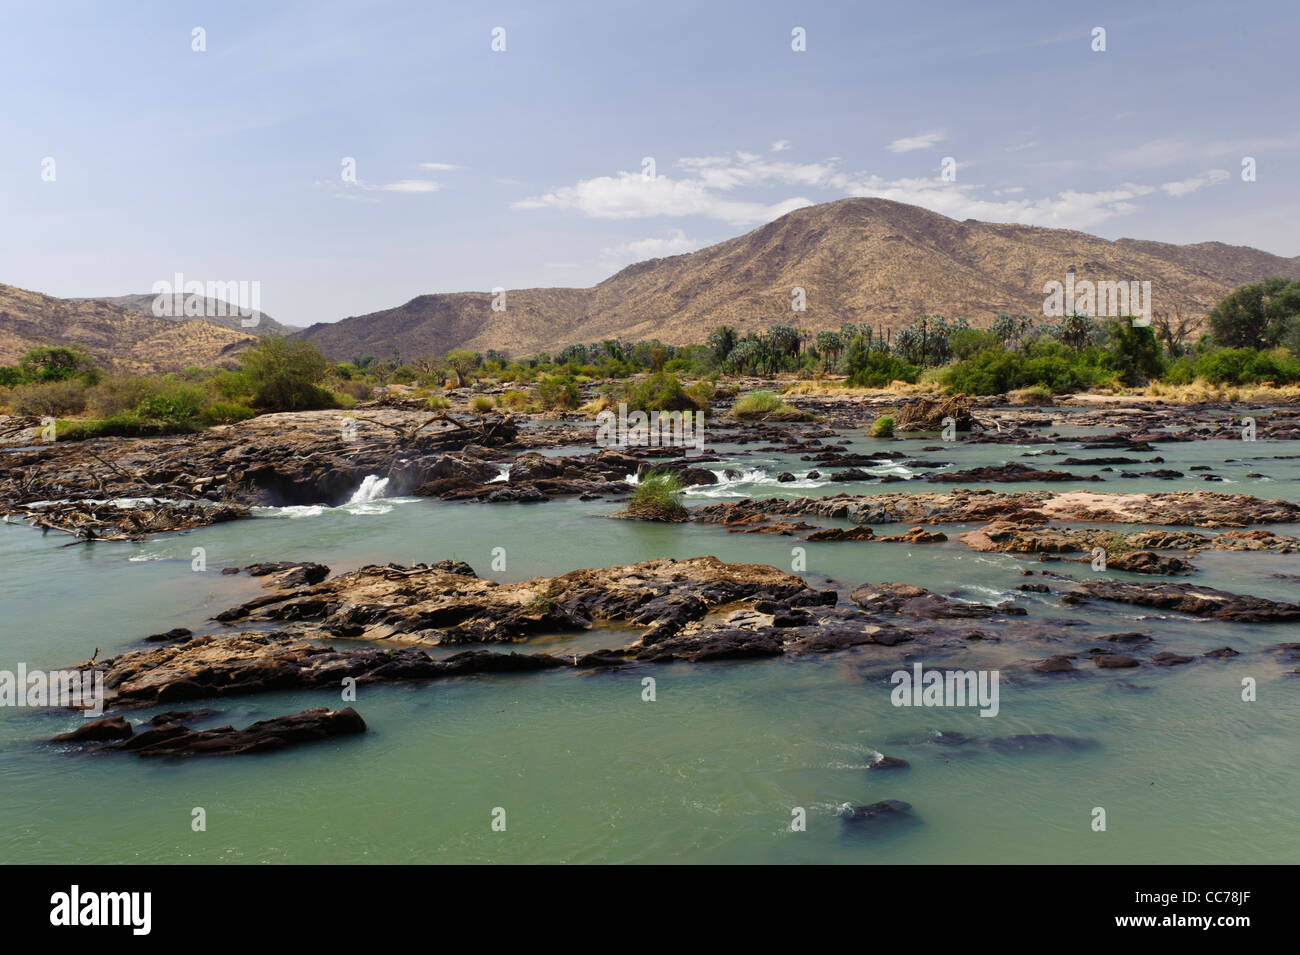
(173, 739)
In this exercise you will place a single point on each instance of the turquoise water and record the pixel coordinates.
(586, 771)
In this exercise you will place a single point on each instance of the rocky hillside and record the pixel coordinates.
(857, 259)
(119, 338)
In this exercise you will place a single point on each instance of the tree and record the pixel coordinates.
(1076, 330)
(286, 373)
(722, 340)
(57, 363)
(1256, 316)
(830, 345)
(462, 362)
(783, 340)
(1136, 349)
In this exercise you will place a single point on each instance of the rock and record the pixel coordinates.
(888, 762)
(1012, 471)
(918, 535)
(171, 636)
(109, 728)
(1059, 663)
(1167, 659)
(841, 534)
(887, 810)
(920, 603)
(172, 739)
(1223, 653)
(1114, 661)
(284, 574)
(1194, 601)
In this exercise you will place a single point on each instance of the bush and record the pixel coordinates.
(172, 402)
(883, 427)
(660, 392)
(480, 404)
(558, 393)
(222, 412)
(756, 404)
(59, 363)
(118, 394)
(702, 393)
(658, 498)
(50, 398)
(514, 400)
(285, 374)
(125, 425)
(765, 406)
(876, 369)
(438, 402)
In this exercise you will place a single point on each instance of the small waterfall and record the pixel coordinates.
(371, 489)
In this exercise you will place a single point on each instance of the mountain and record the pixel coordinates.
(120, 339)
(861, 260)
(144, 305)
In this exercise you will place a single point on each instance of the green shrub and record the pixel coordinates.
(480, 404)
(660, 392)
(765, 406)
(285, 374)
(558, 393)
(883, 427)
(876, 369)
(172, 402)
(222, 412)
(658, 498)
(125, 425)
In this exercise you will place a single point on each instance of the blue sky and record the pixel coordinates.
(523, 168)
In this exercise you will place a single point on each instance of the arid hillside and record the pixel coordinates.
(120, 339)
(863, 260)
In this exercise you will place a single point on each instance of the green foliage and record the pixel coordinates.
(659, 392)
(58, 363)
(1245, 366)
(558, 393)
(286, 374)
(876, 369)
(223, 412)
(1256, 316)
(462, 363)
(658, 498)
(126, 425)
(171, 401)
(883, 427)
(1136, 349)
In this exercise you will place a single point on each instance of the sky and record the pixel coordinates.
(349, 156)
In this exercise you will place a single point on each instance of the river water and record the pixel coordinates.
(713, 769)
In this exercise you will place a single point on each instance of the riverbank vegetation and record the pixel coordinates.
(1250, 341)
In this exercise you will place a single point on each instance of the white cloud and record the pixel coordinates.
(781, 145)
(675, 243)
(922, 141)
(709, 186)
(630, 195)
(438, 166)
(1185, 186)
(411, 185)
